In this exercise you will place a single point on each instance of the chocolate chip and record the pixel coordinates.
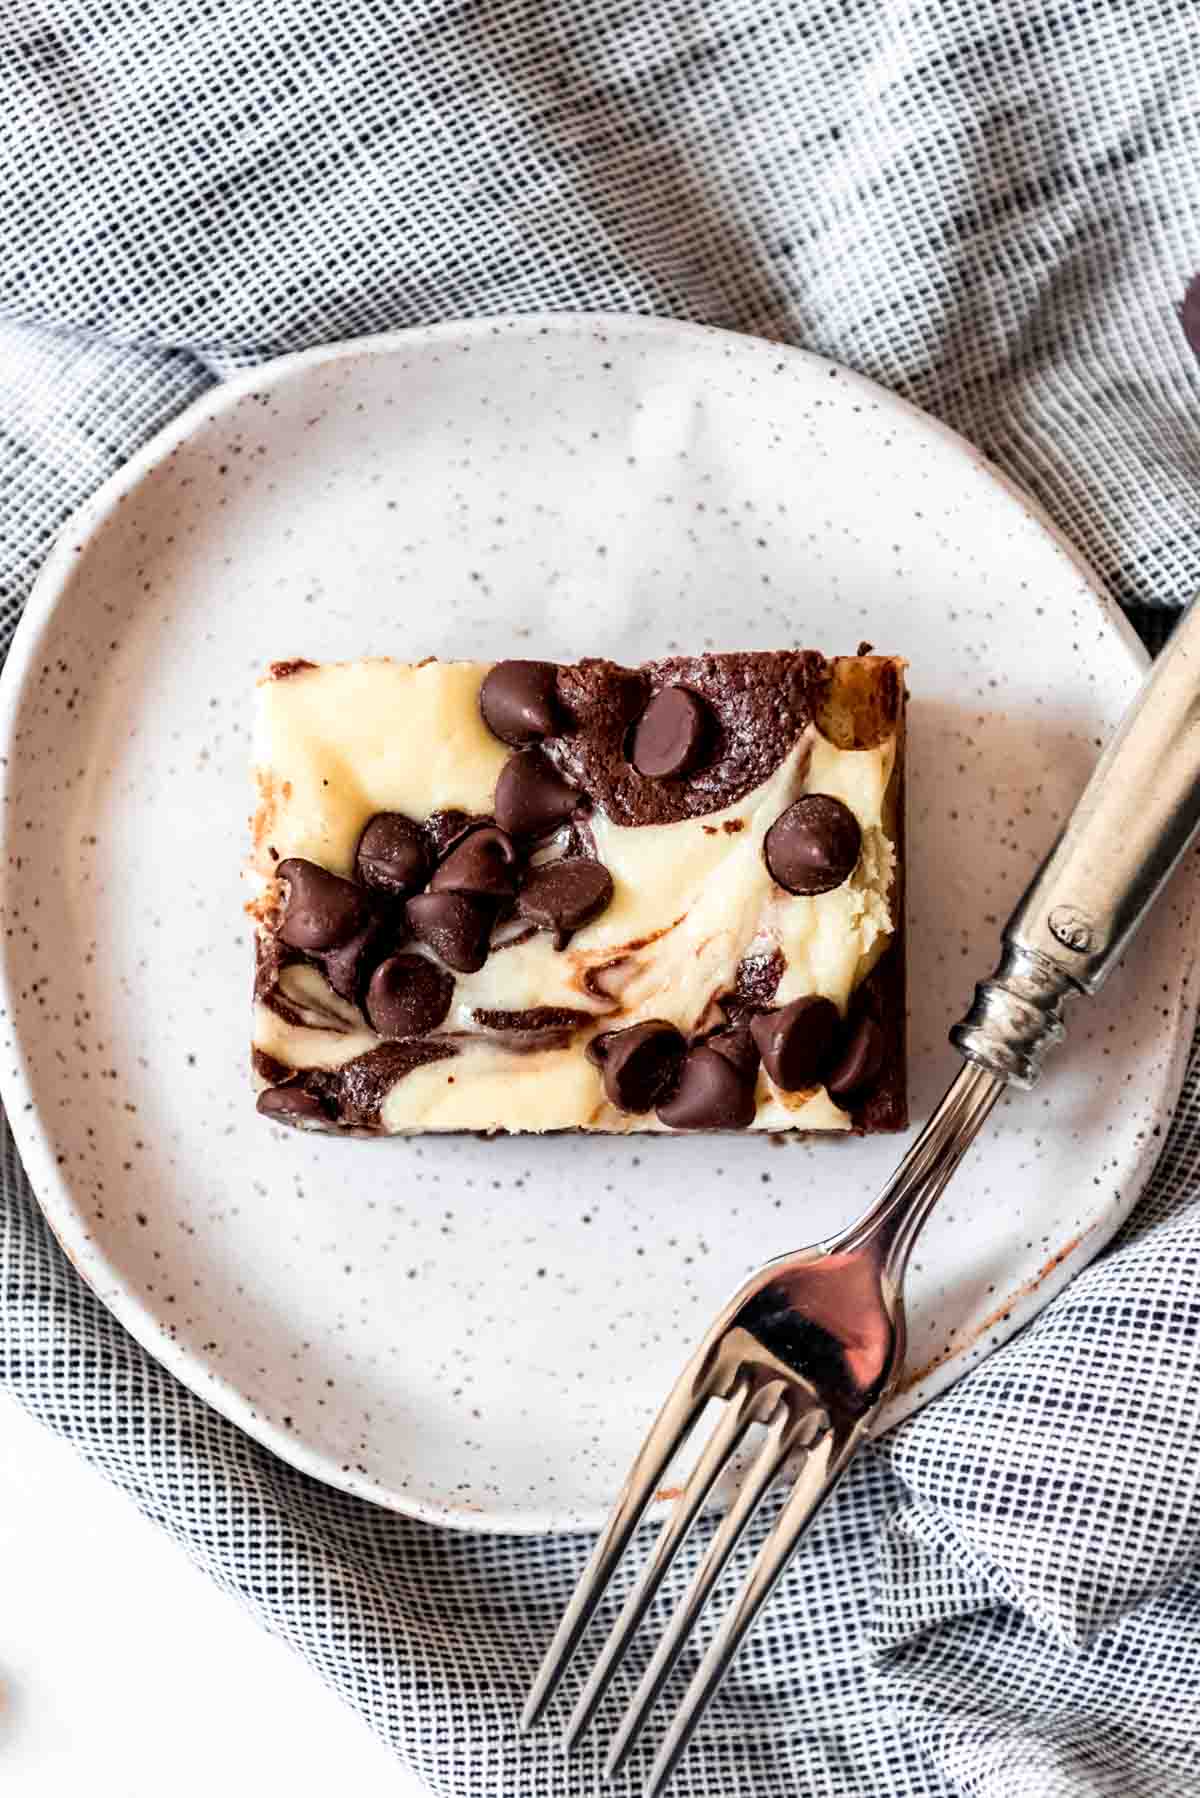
(814, 845)
(669, 737)
(408, 996)
(532, 798)
(738, 1047)
(713, 1094)
(638, 1066)
(321, 909)
(484, 861)
(755, 982)
(860, 1063)
(392, 855)
(797, 1042)
(756, 978)
(562, 896)
(292, 1105)
(455, 926)
(517, 700)
(445, 827)
(348, 967)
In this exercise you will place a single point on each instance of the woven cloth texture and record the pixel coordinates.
(993, 207)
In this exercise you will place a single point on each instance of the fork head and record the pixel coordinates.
(827, 1322)
(807, 1350)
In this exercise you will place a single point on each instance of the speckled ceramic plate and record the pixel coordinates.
(479, 1332)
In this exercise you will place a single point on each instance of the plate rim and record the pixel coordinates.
(34, 1140)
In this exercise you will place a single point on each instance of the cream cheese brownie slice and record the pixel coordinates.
(528, 896)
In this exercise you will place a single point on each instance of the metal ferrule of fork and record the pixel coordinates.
(1015, 1017)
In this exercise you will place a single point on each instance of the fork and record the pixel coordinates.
(812, 1345)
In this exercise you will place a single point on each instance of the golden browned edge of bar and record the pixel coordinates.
(867, 703)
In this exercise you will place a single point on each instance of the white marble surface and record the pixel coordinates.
(125, 1673)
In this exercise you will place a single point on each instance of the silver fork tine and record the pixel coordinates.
(822, 1469)
(787, 1430)
(739, 1412)
(669, 1431)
